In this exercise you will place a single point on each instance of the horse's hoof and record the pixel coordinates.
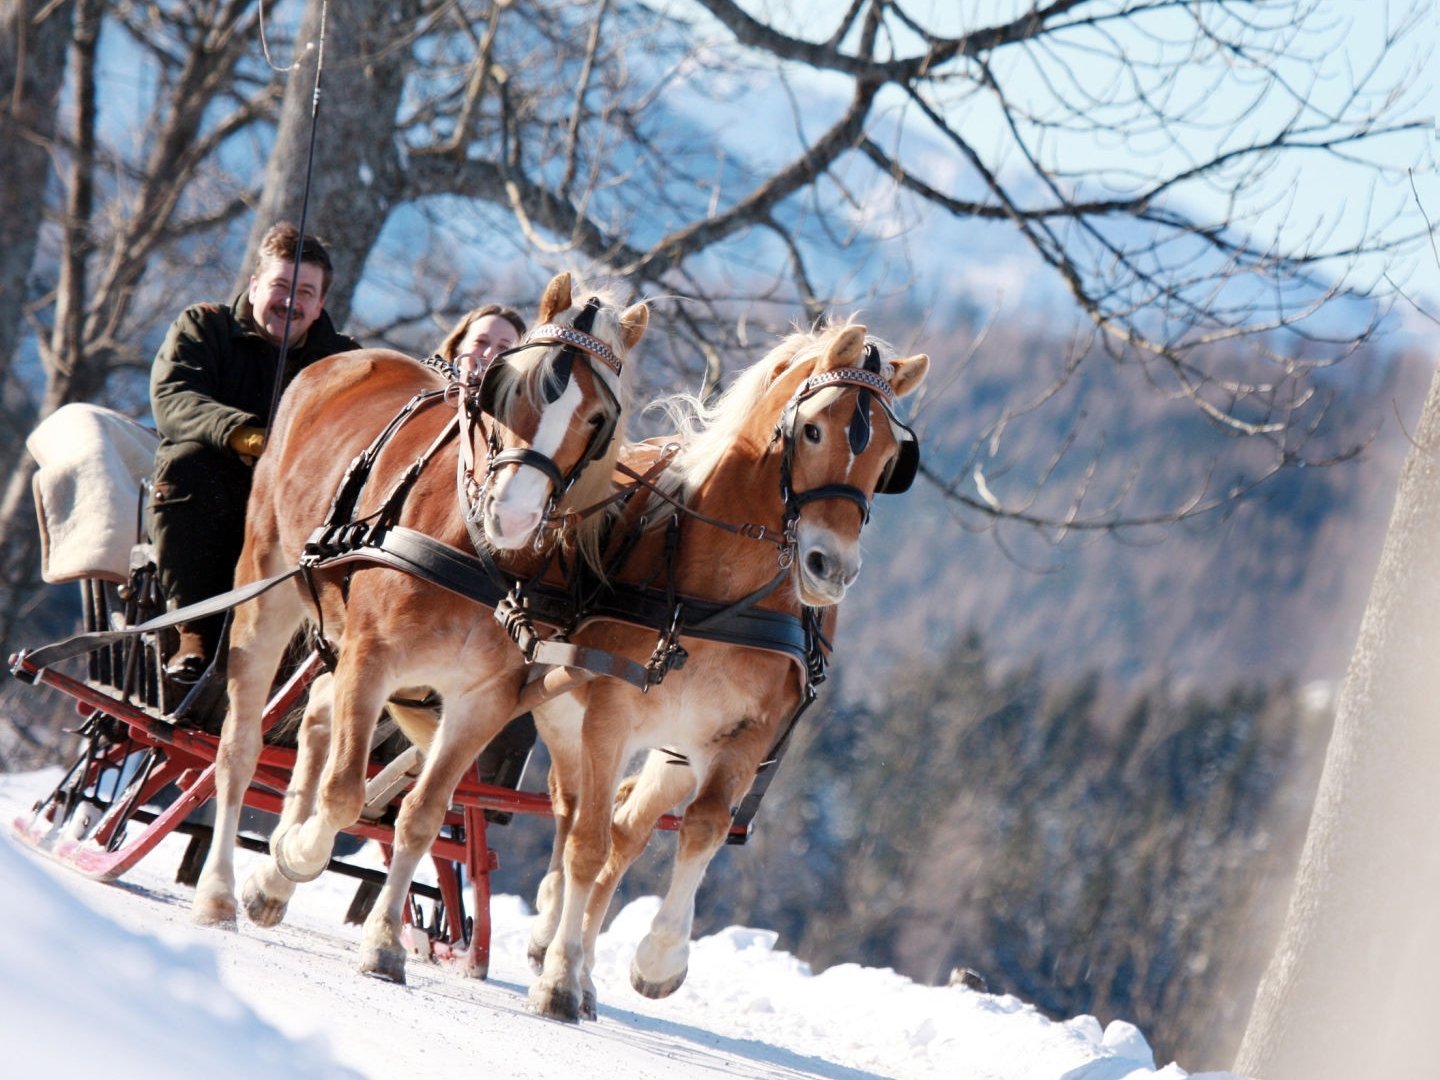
(587, 1006)
(384, 963)
(536, 956)
(557, 1004)
(261, 908)
(218, 913)
(652, 989)
(288, 870)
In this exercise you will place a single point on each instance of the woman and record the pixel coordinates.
(478, 338)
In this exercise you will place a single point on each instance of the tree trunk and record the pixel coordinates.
(1354, 983)
(32, 68)
(356, 174)
(70, 374)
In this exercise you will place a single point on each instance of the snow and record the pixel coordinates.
(114, 979)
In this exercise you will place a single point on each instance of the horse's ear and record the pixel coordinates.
(633, 322)
(556, 297)
(909, 373)
(847, 349)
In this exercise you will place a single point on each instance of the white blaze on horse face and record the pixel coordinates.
(516, 506)
(827, 556)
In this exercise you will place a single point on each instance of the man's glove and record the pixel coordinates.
(247, 442)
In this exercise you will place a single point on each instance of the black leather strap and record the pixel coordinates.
(81, 644)
(773, 631)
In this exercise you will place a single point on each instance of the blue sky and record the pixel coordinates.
(1384, 186)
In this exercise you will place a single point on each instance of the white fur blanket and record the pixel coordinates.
(87, 490)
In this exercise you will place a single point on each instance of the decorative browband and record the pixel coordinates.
(856, 376)
(559, 334)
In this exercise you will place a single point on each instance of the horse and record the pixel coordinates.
(795, 449)
(553, 405)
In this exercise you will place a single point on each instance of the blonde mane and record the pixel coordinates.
(707, 432)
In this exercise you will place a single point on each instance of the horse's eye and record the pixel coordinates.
(596, 419)
(812, 432)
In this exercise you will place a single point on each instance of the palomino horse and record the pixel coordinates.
(798, 446)
(554, 403)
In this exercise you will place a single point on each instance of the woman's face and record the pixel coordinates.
(487, 336)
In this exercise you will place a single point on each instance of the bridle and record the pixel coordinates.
(898, 475)
(576, 342)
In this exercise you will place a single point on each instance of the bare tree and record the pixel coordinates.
(354, 173)
(33, 37)
(762, 169)
(1139, 152)
(87, 324)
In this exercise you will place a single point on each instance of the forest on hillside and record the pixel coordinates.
(1271, 586)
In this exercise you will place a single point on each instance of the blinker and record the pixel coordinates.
(491, 382)
(901, 473)
(558, 377)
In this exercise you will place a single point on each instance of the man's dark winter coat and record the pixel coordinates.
(216, 373)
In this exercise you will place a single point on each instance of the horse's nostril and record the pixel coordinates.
(817, 563)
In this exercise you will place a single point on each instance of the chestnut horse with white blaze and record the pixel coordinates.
(553, 404)
(795, 449)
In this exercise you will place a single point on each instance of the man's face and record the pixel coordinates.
(269, 289)
(487, 337)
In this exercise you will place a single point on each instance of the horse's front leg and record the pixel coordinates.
(267, 891)
(301, 851)
(258, 637)
(470, 722)
(662, 785)
(662, 958)
(559, 992)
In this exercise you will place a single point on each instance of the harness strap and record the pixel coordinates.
(737, 623)
(744, 814)
(342, 507)
(99, 639)
(749, 529)
(471, 576)
(479, 578)
(524, 455)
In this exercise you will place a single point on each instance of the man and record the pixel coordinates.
(210, 393)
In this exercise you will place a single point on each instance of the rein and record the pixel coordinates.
(749, 530)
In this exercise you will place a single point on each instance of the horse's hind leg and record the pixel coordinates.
(559, 725)
(258, 637)
(267, 891)
(460, 738)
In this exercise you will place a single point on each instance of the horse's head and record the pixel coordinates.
(841, 442)
(555, 404)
